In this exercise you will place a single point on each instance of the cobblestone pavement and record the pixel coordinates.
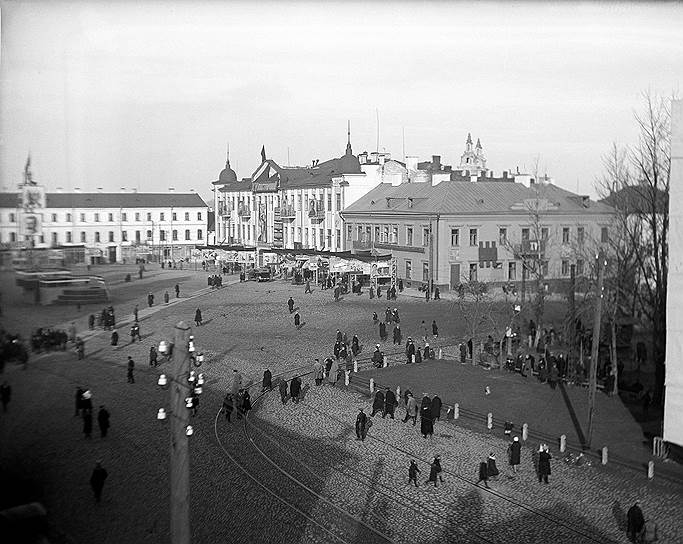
(247, 327)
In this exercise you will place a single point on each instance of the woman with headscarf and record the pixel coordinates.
(426, 423)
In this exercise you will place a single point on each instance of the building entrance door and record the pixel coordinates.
(112, 254)
(455, 275)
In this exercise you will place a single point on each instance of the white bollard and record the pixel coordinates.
(355, 365)
(456, 411)
(440, 353)
(372, 385)
(347, 374)
(385, 362)
(525, 431)
(604, 455)
(489, 420)
(650, 470)
(413, 358)
(563, 443)
(398, 392)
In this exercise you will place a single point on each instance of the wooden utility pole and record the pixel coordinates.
(180, 451)
(430, 285)
(592, 384)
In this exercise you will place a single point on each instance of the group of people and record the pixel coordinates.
(215, 281)
(48, 339)
(237, 398)
(105, 319)
(84, 409)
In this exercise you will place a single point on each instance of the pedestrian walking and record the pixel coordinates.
(426, 423)
(135, 313)
(297, 320)
(318, 373)
(228, 406)
(198, 317)
(114, 338)
(484, 474)
(413, 470)
(308, 287)
(135, 333)
(97, 479)
(283, 391)
(435, 470)
(103, 421)
(635, 522)
(363, 424)
(290, 304)
(390, 403)
(382, 331)
(150, 299)
(177, 291)
(87, 423)
(295, 389)
(153, 357)
(435, 329)
(491, 467)
(411, 409)
(427, 294)
(167, 297)
(514, 453)
(79, 401)
(333, 374)
(91, 322)
(436, 408)
(5, 395)
(377, 403)
(544, 458)
(131, 367)
(267, 384)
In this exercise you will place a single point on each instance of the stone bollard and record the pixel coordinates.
(563, 443)
(398, 392)
(489, 421)
(372, 385)
(604, 455)
(456, 411)
(347, 374)
(355, 365)
(385, 362)
(413, 360)
(650, 470)
(440, 353)
(525, 432)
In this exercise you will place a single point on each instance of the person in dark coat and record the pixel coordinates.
(514, 453)
(114, 338)
(5, 394)
(361, 425)
(267, 381)
(86, 401)
(283, 391)
(435, 470)
(390, 403)
(91, 322)
(418, 355)
(426, 423)
(396, 317)
(484, 474)
(328, 366)
(544, 458)
(150, 300)
(131, 367)
(228, 406)
(410, 350)
(295, 389)
(166, 297)
(355, 345)
(153, 357)
(79, 401)
(290, 304)
(382, 331)
(377, 357)
(99, 475)
(411, 408)
(297, 320)
(103, 421)
(491, 466)
(198, 317)
(397, 335)
(436, 408)
(378, 403)
(87, 423)
(412, 473)
(246, 402)
(337, 349)
(635, 521)
(177, 291)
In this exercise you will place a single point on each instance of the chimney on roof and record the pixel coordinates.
(436, 163)
(134, 190)
(505, 174)
(171, 189)
(77, 189)
(60, 189)
(99, 189)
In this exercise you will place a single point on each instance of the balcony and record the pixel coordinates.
(244, 212)
(224, 210)
(316, 210)
(531, 248)
(287, 212)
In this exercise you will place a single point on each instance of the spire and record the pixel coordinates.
(227, 157)
(469, 139)
(348, 139)
(478, 144)
(263, 153)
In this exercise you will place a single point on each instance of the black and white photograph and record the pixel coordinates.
(341, 272)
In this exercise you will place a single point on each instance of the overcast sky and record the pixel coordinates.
(147, 95)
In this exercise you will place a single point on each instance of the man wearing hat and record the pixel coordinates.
(361, 425)
(99, 475)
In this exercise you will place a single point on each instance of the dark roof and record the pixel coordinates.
(455, 197)
(638, 199)
(111, 200)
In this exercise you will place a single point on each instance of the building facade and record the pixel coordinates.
(110, 227)
(453, 232)
(291, 207)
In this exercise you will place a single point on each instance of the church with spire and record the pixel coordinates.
(289, 207)
(473, 159)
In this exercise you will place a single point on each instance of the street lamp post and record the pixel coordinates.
(180, 453)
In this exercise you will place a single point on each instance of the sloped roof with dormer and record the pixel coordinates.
(471, 198)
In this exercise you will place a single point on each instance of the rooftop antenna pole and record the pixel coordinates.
(288, 163)
(377, 112)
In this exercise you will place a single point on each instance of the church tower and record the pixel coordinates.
(473, 158)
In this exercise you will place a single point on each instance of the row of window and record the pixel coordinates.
(390, 234)
(312, 237)
(301, 202)
(98, 237)
(110, 217)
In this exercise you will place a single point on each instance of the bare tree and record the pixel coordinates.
(636, 183)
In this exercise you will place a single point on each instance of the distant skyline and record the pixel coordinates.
(147, 95)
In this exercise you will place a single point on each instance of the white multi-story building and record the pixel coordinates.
(111, 227)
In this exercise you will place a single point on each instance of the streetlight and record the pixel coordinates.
(185, 384)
